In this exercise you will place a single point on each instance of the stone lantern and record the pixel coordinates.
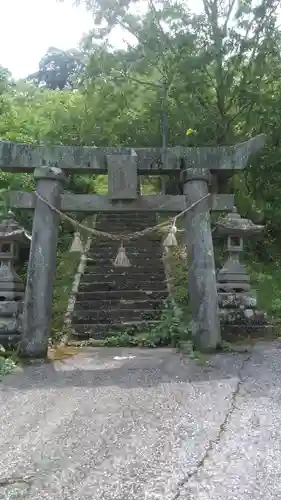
(239, 314)
(11, 285)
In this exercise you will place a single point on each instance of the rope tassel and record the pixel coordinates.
(77, 244)
(171, 240)
(121, 258)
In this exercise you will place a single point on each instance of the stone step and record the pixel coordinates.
(128, 222)
(106, 258)
(101, 316)
(126, 231)
(121, 294)
(8, 339)
(126, 271)
(136, 257)
(156, 253)
(149, 237)
(123, 278)
(145, 257)
(117, 303)
(143, 267)
(148, 272)
(139, 243)
(106, 254)
(125, 216)
(117, 227)
(107, 265)
(113, 249)
(101, 331)
(123, 225)
(125, 213)
(115, 299)
(136, 224)
(115, 286)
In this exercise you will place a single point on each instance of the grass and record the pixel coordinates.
(7, 363)
(266, 281)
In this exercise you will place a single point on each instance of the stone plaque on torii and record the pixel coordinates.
(198, 168)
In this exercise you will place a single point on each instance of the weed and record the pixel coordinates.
(266, 280)
(171, 330)
(7, 363)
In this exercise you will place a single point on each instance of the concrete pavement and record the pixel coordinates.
(154, 426)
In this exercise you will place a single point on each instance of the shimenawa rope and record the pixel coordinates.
(121, 258)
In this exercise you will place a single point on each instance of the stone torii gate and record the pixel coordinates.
(197, 168)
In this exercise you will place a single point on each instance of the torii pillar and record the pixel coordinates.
(200, 165)
(202, 285)
(37, 316)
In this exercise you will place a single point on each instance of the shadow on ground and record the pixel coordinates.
(97, 367)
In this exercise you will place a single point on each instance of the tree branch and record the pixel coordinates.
(141, 42)
(140, 82)
(230, 9)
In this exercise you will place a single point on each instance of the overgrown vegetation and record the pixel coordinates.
(67, 264)
(170, 331)
(266, 280)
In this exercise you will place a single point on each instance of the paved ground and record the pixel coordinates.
(156, 426)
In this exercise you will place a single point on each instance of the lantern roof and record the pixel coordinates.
(10, 229)
(235, 225)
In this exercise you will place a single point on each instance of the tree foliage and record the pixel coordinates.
(58, 69)
(214, 73)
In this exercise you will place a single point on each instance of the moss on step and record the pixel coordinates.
(62, 352)
(67, 265)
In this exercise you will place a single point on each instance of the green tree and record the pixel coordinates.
(58, 69)
(216, 73)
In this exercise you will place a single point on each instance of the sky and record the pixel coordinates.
(30, 27)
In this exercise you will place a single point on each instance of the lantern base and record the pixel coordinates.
(10, 322)
(236, 333)
(11, 291)
(240, 318)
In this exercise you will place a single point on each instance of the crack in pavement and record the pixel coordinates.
(10, 481)
(222, 429)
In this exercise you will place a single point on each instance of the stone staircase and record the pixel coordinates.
(117, 299)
